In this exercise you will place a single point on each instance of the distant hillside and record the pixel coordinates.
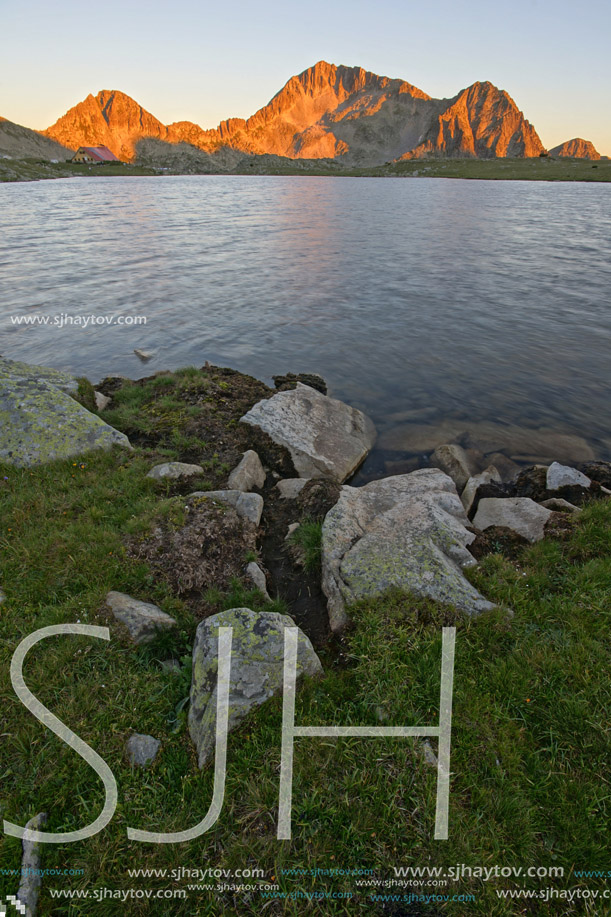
(22, 143)
(576, 149)
(324, 112)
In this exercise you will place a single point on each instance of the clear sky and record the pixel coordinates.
(206, 61)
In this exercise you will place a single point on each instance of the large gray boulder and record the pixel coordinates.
(407, 531)
(257, 669)
(143, 620)
(520, 514)
(40, 422)
(325, 437)
(64, 381)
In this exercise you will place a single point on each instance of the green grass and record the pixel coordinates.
(530, 739)
(308, 537)
(535, 169)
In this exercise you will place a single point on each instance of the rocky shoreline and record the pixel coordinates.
(257, 470)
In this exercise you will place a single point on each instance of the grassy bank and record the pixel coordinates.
(539, 169)
(530, 740)
(13, 170)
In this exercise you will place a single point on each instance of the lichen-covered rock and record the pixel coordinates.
(40, 422)
(248, 506)
(248, 474)
(564, 476)
(325, 437)
(520, 514)
(61, 380)
(142, 749)
(174, 471)
(142, 619)
(407, 531)
(257, 669)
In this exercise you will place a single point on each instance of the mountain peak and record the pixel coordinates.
(327, 110)
(577, 148)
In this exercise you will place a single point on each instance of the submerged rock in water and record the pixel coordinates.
(325, 437)
(453, 459)
(40, 422)
(408, 531)
(257, 669)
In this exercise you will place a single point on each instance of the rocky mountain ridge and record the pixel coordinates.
(17, 142)
(576, 149)
(330, 112)
(327, 111)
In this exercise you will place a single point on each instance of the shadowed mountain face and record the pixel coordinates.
(576, 149)
(19, 142)
(326, 111)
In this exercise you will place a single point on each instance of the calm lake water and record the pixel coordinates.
(421, 301)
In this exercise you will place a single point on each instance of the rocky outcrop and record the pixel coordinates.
(257, 669)
(325, 437)
(327, 111)
(112, 119)
(40, 422)
(576, 149)
(408, 531)
(482, 122)
(19, 142)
